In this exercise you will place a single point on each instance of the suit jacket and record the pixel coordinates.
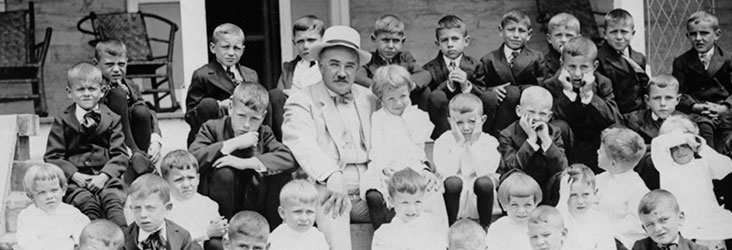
(101, 150)
(642, 122)
(527, 68)
(516, 153)
(211, 80)
(552, 63)
(313, 129)
(405, 59)
(628, 85)
(136, 99)
(210, 139)
(288, 70)
(586, 121)
(440, 73)
(698, 85)
(176, 237)
(684, 244)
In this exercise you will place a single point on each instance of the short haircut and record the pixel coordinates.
(42, 172)
(619, 16)
(450, 22)
(298, 192)
(308, 22)
(253, 95)
(564, 20)
(580, 46)
(226, 29)
(467, 233)
(249, 224)
(102, 233)
(390, 78)
(518, 184)
(623, 145)
(150, 184)
(579, 172)
(83, 71)
(663, 81)
(465, 103)
(656, 198)
(536, 95)
(110, 47)
(389, 24)
(545, 214)
(703, 16)
(179, 159)
(681, 122)
(515, 16)
(406, 181)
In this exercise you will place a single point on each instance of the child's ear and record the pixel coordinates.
(95, 61)
(483, 118)
(373, 37)
(682, 218)
(281, 212)
(467, 40)
(211, 46)
(437, 42)
(168, 207)
(678, 97)
(595, 65)
(648, 98)
(529, 33)
(518, 111)
(718, 32)
(68, 92)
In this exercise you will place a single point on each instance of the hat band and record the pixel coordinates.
(343, 41)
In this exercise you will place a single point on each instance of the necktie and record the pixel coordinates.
(230, 74)
(343, 98)
(513, 56)
(153, 242)
(670, 246)
(704, 58)
(91, 119)
(452, 66)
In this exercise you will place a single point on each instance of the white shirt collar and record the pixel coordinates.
(142, 234)
(507, 52)
(654, 116)
(80, 112)
(456, 60)
(708, 54)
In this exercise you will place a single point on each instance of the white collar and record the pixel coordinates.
(306, 63)
(625, 52)
(80, 112)
(507, 51)
(456, 60)
(142, 234)
(654, 116)
(708, 54)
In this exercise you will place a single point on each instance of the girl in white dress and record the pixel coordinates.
(398, 134)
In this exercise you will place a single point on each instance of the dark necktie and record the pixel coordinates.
(153, 242)
(704, 58)
(660, 121)
(343, 98)
(452, 66)
(670, 246)
(230, 74)
(91, 119)
(514, 54)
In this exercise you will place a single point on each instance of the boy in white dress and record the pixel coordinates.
(298, 205)
(48, 223)
(687, 166)
(519, 194)
(409, 229)
(619, 188)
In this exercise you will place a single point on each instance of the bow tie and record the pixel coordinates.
(669, 246)
(343, 98)
(91, 119)
(153, 242)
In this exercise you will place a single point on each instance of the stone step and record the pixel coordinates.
(15, 202)
(18, 173)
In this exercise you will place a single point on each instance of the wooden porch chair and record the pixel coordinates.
(131, 29)
(579, 8)
(21, 59)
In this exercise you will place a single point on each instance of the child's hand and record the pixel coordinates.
(528, 128)
(225, 103)
(694, 141)
(217, 228)
(565, 79)
(588, 81)
(388, 172)
(154, 151)
(500, 91)
(247, 140)
(713, 110)
(433, 183)
(236, 163)
(477, 129)
(458, 76)
(81, 179)
(97, 182)
(542, 131)
(459, 138)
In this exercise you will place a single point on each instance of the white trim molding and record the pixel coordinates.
(286, 47)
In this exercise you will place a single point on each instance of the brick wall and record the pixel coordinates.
(68, 45)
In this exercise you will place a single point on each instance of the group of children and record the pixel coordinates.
(562, 141)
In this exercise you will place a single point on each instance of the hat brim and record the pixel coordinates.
(364, 57)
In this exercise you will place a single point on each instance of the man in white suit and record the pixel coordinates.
(327, 128)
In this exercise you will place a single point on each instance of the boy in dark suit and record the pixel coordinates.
(242, 165)
(87, 142)
(452, 71)
(123, 97)
(389, 37)
(532, 144)
(509, 70)
(561, 28)
(213, 83)
(624, 66)
(661, 219)
(150, 203)
(299, 73)
(583, 98)
(704, 76)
